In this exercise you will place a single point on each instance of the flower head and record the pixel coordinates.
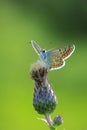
(44, 99)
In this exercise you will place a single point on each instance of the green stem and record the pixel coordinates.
(49, 121)
(52, 128)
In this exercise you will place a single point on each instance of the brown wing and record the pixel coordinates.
(57, 56)
(56, 64)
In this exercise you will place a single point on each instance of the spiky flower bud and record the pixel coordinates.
(58, 120)
(44, 99)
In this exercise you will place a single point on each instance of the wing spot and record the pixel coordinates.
(67, 53)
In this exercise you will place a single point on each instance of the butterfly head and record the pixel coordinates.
(43, 54)
(43, 51)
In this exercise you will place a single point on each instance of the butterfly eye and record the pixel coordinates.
(43, 51)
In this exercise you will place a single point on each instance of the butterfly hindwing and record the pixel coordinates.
(56, 64)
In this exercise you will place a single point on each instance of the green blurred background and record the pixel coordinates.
(51, 23)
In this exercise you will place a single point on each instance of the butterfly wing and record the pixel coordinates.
(36, 47)
(56, 57)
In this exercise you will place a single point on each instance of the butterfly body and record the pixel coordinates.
(44, 58)
(54, 58)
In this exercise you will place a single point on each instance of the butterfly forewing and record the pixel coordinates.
(36, 47)
(57, 56)
(67, 51)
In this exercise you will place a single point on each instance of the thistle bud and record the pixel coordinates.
(44, 99)
(58, 120)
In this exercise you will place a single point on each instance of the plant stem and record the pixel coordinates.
(50, 122)
(52, 128)
(48, 119)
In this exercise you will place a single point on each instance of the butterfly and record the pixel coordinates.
(55, 58)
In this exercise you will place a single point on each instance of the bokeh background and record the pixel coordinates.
(51, 23)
